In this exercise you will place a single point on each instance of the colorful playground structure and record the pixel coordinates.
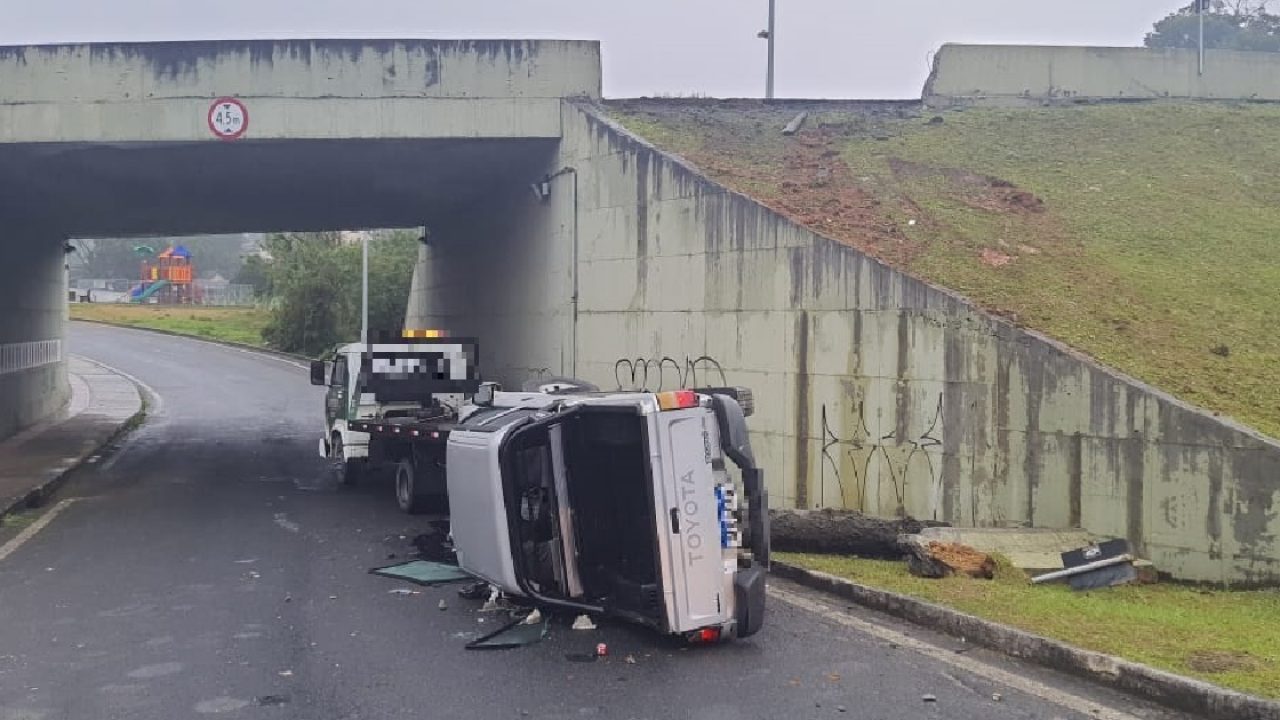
(166, 276)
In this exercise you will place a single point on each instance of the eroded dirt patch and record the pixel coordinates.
(1221, 661)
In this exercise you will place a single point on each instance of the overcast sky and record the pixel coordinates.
(826, 48)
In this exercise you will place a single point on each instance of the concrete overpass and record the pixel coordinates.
(876, 391)
(173, 138)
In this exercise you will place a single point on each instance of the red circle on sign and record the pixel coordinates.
(228, 118)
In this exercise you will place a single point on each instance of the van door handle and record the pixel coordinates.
(675, 520)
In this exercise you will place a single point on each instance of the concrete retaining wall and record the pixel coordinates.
(1016, 74)
(33, 374)
(874, 390)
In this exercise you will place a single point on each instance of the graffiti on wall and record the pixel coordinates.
(862, 463)
(667, 373)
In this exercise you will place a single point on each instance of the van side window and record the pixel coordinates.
(339, 377)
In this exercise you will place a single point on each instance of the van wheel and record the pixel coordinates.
(409, 496)
(349, 471)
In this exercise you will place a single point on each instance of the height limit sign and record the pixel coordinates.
(228, 118)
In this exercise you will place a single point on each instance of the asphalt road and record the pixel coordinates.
(212, 566)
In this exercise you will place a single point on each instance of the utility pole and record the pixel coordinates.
(1201, 6)
(364, 291)
(769, 35)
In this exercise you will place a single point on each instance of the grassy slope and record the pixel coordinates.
(1227, 638)
(1155, 244)
(242, 325)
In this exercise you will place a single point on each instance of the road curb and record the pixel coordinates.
(38, 495)
(200, 338)
(1173, 691)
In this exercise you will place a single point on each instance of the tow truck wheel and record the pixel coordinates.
(409, 496)
(348, 470)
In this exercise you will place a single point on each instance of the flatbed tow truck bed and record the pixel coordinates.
(405, 427)
(416, 449)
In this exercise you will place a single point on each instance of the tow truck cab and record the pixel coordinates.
(391, 405)
(623, 504)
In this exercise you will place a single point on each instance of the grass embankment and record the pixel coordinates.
(1227, 638)
(1144, 235)
(242, 325)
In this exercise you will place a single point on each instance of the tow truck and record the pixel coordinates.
(646, 506)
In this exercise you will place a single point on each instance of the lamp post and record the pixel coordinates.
(1200, 6)
(770, 36)
(364, 290)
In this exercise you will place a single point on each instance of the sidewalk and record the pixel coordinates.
(33, 462)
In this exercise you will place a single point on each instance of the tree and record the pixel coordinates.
(315, 284)
(392, 256)
(1229, 25)
(219, 254)
(257, 273)
(109, 259)
(310, 280)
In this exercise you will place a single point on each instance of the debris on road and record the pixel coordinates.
(533, 618)
(404, 591)
(630, 660)
(583, 622)
(929, 698)
(602, 650)
(423, 572)
(475, 591)
(517, 633)
(443, 605)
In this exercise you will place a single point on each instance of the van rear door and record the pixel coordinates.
(684, 493)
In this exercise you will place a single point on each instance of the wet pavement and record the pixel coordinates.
(213, 566)
(32, 462)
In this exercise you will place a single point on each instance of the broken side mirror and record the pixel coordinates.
(484, 394)
(319, 372)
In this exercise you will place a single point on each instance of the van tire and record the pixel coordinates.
(349, 470)
(409, 496)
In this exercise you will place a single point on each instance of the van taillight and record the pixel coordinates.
(677, 399)
(705, 635)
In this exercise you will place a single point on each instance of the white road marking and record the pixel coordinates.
(156, 403)
(1058, 697)
(30, 531)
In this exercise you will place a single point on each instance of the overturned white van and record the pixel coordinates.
(620, 504)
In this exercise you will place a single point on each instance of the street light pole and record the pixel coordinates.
(768, 85)
(364, 291)
(1200, 7)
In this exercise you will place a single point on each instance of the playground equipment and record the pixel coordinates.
(166, 277)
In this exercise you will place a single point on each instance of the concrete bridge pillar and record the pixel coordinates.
(33, 372)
